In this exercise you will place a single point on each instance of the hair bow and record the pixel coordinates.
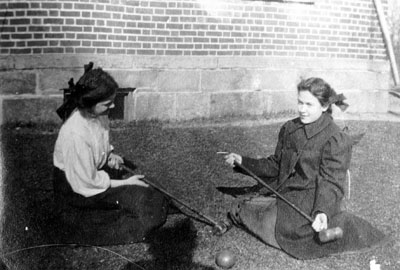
(70, 101)
(338, 100)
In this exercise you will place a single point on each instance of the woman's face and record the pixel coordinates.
(103, 107)
(309, 107)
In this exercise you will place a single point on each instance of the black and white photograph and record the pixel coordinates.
(200, 134)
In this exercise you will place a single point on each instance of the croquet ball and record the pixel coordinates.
(225, 259)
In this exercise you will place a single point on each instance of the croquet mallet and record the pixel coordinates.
(324, 236)
(219, 228)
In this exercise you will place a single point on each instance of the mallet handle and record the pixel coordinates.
(274, 191)
(162, 190)
(324, 235)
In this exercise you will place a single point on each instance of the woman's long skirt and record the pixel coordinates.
(121, 215)
(257, 215)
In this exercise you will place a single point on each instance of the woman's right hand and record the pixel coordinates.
(135, 180)
(232, 158)
(320, 223)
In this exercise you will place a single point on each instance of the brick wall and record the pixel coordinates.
(190, 52)
(330, 28)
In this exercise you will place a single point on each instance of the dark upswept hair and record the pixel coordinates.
(93, 87)
(325, 94)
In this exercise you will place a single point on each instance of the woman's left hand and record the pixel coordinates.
(320, 222)
(115, 161)
(232, 158)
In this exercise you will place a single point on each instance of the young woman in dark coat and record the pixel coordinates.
(308, 168)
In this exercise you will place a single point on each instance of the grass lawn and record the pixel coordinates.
(184, 159)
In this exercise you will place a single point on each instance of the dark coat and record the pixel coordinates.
(309, 169)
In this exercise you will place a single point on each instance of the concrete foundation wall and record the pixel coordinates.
(184, 88)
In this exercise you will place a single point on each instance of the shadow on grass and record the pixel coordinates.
(171, 248)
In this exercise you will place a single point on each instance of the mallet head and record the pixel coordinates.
(329, 235)
(221, 227)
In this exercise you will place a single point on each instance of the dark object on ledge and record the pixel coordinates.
(116, 113)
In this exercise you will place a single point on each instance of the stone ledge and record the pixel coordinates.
(17, 82)
(179, 62)
(30, 109)
(159, 106)
(366, 101)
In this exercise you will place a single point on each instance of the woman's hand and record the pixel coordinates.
(232, 158)
(114, 161)
(135, 180)
(320, 222)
